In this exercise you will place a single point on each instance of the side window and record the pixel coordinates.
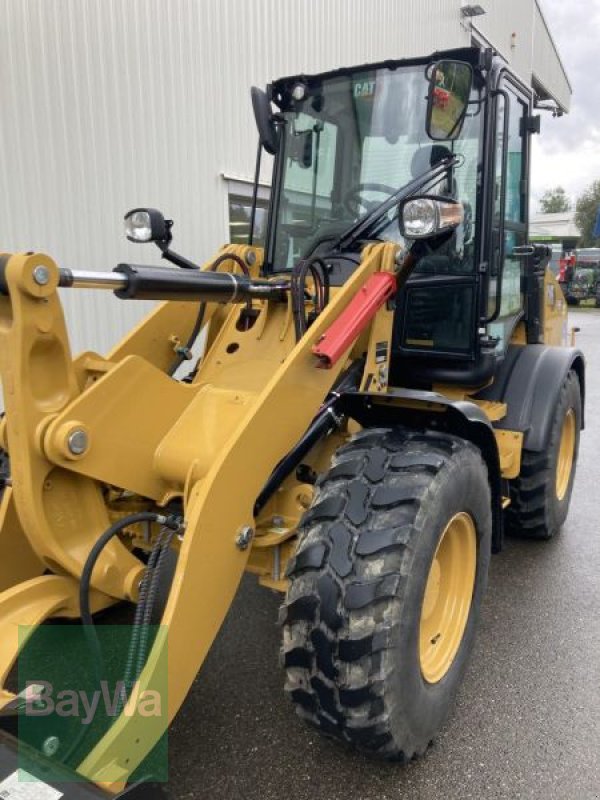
(309, 177)
(240, 211)
(510, 213)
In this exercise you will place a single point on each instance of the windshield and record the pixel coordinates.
(351, 142)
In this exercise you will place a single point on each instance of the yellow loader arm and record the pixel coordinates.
(76, 427)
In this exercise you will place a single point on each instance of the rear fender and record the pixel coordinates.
(529, 382)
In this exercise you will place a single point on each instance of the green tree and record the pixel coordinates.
(554, 201)
(586, 210)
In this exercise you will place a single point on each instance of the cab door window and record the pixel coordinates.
(510, 213)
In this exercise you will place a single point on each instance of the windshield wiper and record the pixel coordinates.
(364, 225)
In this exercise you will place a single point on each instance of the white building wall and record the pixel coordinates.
(110, 104)
(547, 67)
(518, 30)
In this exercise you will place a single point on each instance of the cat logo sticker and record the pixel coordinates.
(364, 88)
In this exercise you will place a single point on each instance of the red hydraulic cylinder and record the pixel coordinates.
(354, 319)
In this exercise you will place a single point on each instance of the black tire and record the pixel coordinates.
(535, 511)
(351, 617)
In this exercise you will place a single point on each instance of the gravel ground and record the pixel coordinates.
(527, 720)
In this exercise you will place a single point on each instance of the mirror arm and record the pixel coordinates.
(259, 150)
(173, 257)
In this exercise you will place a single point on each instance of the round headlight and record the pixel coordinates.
(138, 226)
(147, 225)
(420, 218)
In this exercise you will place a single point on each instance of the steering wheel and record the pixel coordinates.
(349, 201)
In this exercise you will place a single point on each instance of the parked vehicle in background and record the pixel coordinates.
(583, 286)
(579, 275)
(565, 272)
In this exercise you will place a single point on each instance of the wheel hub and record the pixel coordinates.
(566, 454)
(447, 598)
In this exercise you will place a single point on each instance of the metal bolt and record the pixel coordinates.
(244, 537)
(277, 521)
(250, 257)
(50, 746)
(41, 275)
(77, 441)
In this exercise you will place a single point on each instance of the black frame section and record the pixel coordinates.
(499, 75)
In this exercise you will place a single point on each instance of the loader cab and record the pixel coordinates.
(349, 140)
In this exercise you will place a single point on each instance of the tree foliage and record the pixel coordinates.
(554, 201)
(586, 210)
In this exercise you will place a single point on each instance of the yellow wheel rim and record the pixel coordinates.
(447, 598)
(566, 454)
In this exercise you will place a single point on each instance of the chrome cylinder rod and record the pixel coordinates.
(89, 279)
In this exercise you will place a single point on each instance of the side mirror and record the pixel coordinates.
(267, 133)
(147, 225)
(425, 217)
(447, 100)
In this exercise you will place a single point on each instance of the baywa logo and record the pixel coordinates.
(42, 701)
(70, 694)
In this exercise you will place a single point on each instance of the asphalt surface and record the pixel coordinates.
(527, 720)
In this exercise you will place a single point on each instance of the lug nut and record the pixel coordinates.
(244, 537)
(41, 275)
(77, 441)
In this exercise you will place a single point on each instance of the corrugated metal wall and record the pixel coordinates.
(519, 31)
(110, 104)
(504, 18)
(547, 67)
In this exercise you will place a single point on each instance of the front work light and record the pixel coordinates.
(422, 217)
(147, 225)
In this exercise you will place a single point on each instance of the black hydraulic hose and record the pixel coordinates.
(323, 424)
(230, 257)
(84, 597)
(128, 679)
(94, 555)
(85, 612)
(153, 584)
(362, 226)
(325, 421)
(318, 269)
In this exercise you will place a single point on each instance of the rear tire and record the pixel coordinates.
(540, 496)
(363, 591)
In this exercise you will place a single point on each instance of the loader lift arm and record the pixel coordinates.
(196, 443)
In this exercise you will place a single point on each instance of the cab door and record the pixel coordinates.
(510, 215)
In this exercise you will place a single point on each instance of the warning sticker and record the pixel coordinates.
(23, 786)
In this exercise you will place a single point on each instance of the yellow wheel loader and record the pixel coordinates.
(371, 400)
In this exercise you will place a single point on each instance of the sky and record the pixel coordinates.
(567, 153)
